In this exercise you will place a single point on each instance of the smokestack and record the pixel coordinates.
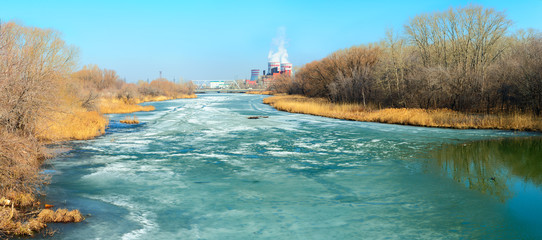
(254, 74)
(273, 67)
(285, 67)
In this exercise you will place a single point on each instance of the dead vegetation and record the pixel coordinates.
(130, 120)
(43, 99)
(116, 105)
(14, 222)
(465, 59)
(60, 216)
(20, 160)
(266, 92)
(103, 90)
(405, 116)
(75, 125)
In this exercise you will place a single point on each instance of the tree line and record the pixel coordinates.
(465, 59)
(95, 83)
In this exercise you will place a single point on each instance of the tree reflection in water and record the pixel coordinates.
(489, 166)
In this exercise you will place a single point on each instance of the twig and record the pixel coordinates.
(31, 213)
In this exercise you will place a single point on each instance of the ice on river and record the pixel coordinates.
(199, 169)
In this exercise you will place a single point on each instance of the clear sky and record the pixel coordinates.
(213, 40)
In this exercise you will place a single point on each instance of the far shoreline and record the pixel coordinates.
(437, 118)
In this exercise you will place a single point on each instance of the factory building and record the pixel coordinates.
(273, 67)
(217, 84)
(278, 65)
(276, 69)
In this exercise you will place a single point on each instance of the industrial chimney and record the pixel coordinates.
(286, 68)
(273, 67)
(254, 74)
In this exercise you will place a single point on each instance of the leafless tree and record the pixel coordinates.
(33, 64)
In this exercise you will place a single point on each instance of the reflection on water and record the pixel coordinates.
(492, 166)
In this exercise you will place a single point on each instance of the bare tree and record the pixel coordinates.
(464, 59)
(464, 42)
(33, 64)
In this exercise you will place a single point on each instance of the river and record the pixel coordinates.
(200, 169)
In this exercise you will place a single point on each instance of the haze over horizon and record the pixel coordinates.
(224, 40)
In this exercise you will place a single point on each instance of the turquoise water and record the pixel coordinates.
(199, 169)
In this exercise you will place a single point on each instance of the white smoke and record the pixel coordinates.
(281, 55)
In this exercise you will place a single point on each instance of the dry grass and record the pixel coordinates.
(34, 225)
(163, 98)
(120, 106)
(78, 125)
(7, 223)
(116, 105)
(260, 92)
(21, 156)
(20, 159)
(130, 120)
(19, 199)
(418, 117)
(60, 216)
(14, 223)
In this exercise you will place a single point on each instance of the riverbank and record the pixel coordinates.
(443, 118)
(260, 92)
(81, 124)
(119, 106)
(21, 213)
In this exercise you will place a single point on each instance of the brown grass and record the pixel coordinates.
(130, 120)
(116, 105)
(20, 159)
(120, 106)
(260, 92)
(21, 156)
(406, 116)
(46, 215)
(13, 223)
(20, 199)
(163, 98)
(60, 216)
(80, 124)
(77, 125)
(35, 225)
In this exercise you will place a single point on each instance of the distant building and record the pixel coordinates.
(275, 68)
(254, 74)
(251, 83)
(217, 84)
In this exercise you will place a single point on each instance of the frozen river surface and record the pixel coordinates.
(200, 169)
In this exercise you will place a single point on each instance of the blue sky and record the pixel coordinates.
(205, 40)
